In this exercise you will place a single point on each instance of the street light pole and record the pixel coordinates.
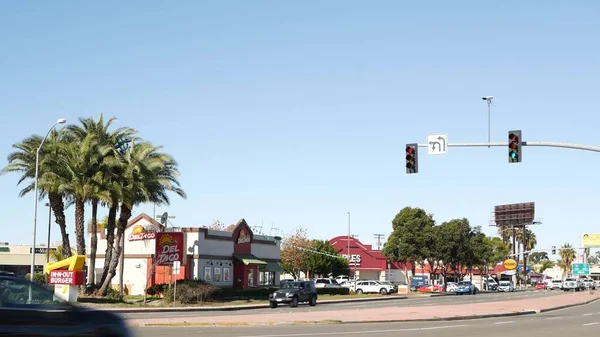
(49, 228)
(35, 192)
(489, 102)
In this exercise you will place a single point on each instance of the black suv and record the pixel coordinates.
(29, 309)
(294, 293)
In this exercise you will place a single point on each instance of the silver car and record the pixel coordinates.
(506, 286)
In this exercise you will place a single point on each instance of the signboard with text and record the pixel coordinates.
(139, 233)
(354, 259)
(66, 277)
(580, 268)
(170, 247)
(590, 240)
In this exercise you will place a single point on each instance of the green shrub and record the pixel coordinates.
(114, 294)
(40, 278)
(157, 289)
(333, 291)
(192, 291)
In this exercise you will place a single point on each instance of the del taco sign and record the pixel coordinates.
(170, 247)
(510, 264)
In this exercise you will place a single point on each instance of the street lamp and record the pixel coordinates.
(35, 192)
(49, 229)
(489, 102)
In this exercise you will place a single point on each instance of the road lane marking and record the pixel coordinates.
(360, 332)
(553, 318)
(588, 314)
(588, 324)
(507, 322)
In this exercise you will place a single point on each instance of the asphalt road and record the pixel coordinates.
(577, 321)
(412, 302)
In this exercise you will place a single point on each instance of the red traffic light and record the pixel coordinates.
(513, 138)
(409, 150)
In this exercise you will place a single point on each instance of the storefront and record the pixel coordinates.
(17, 258)
(367, 263)
(239, 259)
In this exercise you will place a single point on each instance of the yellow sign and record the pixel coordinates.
(590, 240)
(510, 264)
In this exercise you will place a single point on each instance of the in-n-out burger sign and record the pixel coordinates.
(66, 277)
(169, 248)
(139, 233)
(354, 259)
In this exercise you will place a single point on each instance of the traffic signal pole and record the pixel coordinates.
(574, 146)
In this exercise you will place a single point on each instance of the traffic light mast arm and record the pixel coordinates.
(584, 147)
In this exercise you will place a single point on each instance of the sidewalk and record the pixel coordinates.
(386, 314)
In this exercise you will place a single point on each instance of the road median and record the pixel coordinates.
(479, 310)
(240, 307)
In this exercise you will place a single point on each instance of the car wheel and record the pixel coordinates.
(359, 291)
(294, 302)
(273, 305)
(382, 291)
(313, 301)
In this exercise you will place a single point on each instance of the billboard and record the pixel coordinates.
(170, 247)
(514, 214)
(590, 240)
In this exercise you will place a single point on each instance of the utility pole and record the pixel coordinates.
(378, 237)
(489, 102)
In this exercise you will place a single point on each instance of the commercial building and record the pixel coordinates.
(17, 258)
(239, 259)
(367, 263)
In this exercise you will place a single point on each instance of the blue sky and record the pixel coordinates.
(295, 113)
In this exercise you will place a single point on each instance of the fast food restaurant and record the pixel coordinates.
(156, 255)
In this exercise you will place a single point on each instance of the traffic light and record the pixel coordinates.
(553, 250)
(514, 146)
(412, 158)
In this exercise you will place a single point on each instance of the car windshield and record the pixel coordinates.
(556, 281)
(504, 283)
(569, 279)
(290, 285)
(464, 283)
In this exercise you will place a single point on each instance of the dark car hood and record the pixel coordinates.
(286, 291)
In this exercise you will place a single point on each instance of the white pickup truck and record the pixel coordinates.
(571, 283)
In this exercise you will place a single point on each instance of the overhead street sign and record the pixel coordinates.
(580, 268)
(437, 144)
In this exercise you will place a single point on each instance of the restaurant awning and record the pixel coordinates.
(273, 267)
(248, 259)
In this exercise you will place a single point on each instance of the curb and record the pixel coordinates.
(435, 319)
(478, 293)
(240, 307)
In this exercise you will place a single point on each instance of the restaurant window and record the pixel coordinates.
(266, 278)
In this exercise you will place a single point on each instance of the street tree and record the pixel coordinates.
(480, 252)
(323, 259)
(216, 225)
(546, 264)
(294, 252)
(455, 247)
(537, 257)
(407, 244)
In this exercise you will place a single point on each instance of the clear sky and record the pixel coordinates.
(295, 113)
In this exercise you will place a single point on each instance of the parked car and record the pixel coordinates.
(571, 283)
(47, 315)
(451, 287)
(294, 293)
(432, 288)
(326, 283)
(466, 287)
(589, 284)
(541, 286)
(555, 284)
(506, 286)
(374, 287)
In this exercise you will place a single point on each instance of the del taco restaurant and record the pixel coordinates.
(367, 263)
(239, 259)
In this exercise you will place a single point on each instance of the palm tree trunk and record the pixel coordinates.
(80, 226)
(110, 240)
(124, 216)
(93, 243)
(58, 207)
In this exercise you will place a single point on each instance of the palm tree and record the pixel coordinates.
(147, 175)
(23, 161)
(92, 181)
(58, 254)
(567, 256)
